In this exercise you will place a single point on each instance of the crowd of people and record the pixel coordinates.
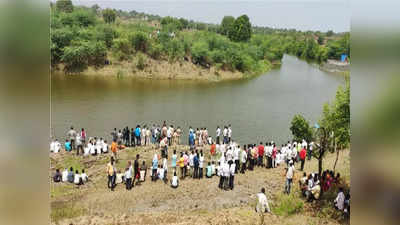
(226, 159)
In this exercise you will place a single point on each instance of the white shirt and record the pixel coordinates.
(165, 164)
(92, 149)
(57, 147)
(212, 169)
(225, 170)
(65, 175)
(52, 146)
(222, 149)
(225, 132)
(105, 147)
(262, 204)
(232, 169)
(339, 201)
(128, 173)
(191, 157)
(229, 132)
(229, 155)
(290, 172)
(161, 173)
(218, 132)
(236, 152)
(243, 156)
(84, 177)
(76, 178)
(220, 170)
(169, 132)
(174, 181)
(201, 161)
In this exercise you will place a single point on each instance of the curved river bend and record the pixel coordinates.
(259, 109)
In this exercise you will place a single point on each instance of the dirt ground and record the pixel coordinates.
(194, 202)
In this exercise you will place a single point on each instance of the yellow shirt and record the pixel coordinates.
(181, 162)
(110, 169)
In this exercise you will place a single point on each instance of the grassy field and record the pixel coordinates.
(194, 202)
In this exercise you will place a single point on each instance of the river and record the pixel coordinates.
(259, 109)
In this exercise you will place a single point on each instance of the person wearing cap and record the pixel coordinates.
(262, 202)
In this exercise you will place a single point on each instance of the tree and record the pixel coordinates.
(64, 6)
(109, 15)
(329, 33)
(301, 128)
(241, 30)
(336, 119)
(227, 24)
(96, 9)
(75, 59)
(140, 41)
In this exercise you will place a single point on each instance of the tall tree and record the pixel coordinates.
(109, 15)
(226, 24)
(241, 29)
(64, 6)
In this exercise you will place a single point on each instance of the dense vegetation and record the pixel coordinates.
(83, 37)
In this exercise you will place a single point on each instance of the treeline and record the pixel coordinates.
(83, 37)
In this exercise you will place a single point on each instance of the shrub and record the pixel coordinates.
(141, 61)
(155, 51)
(139, 41)
(200, 53)
(121, 48)
(75, 59)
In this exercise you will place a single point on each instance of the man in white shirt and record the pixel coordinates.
(236, 152)
(243, 159)
(77, 178)
(309, 150)
(65, 175)
(226, 172)
(225, 134)
(262, 203)
(191, 163)
(339, 201)
(84, 176)
(174, 181)
(289, 177)
(217, 134)
(221, 174)
(52, 146)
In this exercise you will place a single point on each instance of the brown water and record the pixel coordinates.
(259, 109)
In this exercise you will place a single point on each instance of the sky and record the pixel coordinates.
(322, 15)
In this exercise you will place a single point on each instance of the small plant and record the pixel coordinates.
(287, 205)
(141, 61)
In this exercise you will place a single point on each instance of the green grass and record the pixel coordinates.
(286, 205)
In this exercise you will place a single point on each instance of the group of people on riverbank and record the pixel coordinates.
(226, 158)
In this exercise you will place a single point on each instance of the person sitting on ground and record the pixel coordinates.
(174, 181)
(77, 178)
(105, 146)
(209, 171)
(71, 175)
(161, 173)
(314, 193)
(303, 183)
(155, 167)
(339, 201)
(262, 202)
(143, 172)
(119, 178)
(84, 176)
(65, 175)
(67, 145)
(57, 176)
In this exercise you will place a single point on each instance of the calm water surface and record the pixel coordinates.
(259, 109)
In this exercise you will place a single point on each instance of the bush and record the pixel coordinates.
(121, 48)
(200, 53)
(141, 61)
(75, 59)
(139, 41)
(109, 15)
(155, 51)
(84, 18)
(64, 6)
(301, 129)
(97, 53)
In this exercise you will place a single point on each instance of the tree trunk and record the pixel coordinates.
(337, 158)
(319, 167)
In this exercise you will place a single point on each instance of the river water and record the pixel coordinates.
(259, 109)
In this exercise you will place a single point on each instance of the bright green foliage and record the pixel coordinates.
(241, 29)
(97, 52)
(200, 53)
(336, 117)
(301, 129)
(172, 23)
(155, 51)
(227, 24)
(83, 18)
(64, 6)
(339, 47)
(109, 15)
(121, 48)
(60, 38)
(75, 59)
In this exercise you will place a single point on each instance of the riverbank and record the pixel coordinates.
(164, 70)
(335, 66)
(194, 202)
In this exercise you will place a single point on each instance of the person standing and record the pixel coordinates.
(232, 175)
(310, 149)
(132, 142)
(225, 134)
(111, 172)
(261, 154)
(217, 135)
(303, 154)
(274, 153)
(236, 153)
(243, 159)
(128, 176)
(72, 135)
(201, 164)
(262, 203)
(136, 170)
(137, 135)
(83, 136)
(289, 177)
(114, 149)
